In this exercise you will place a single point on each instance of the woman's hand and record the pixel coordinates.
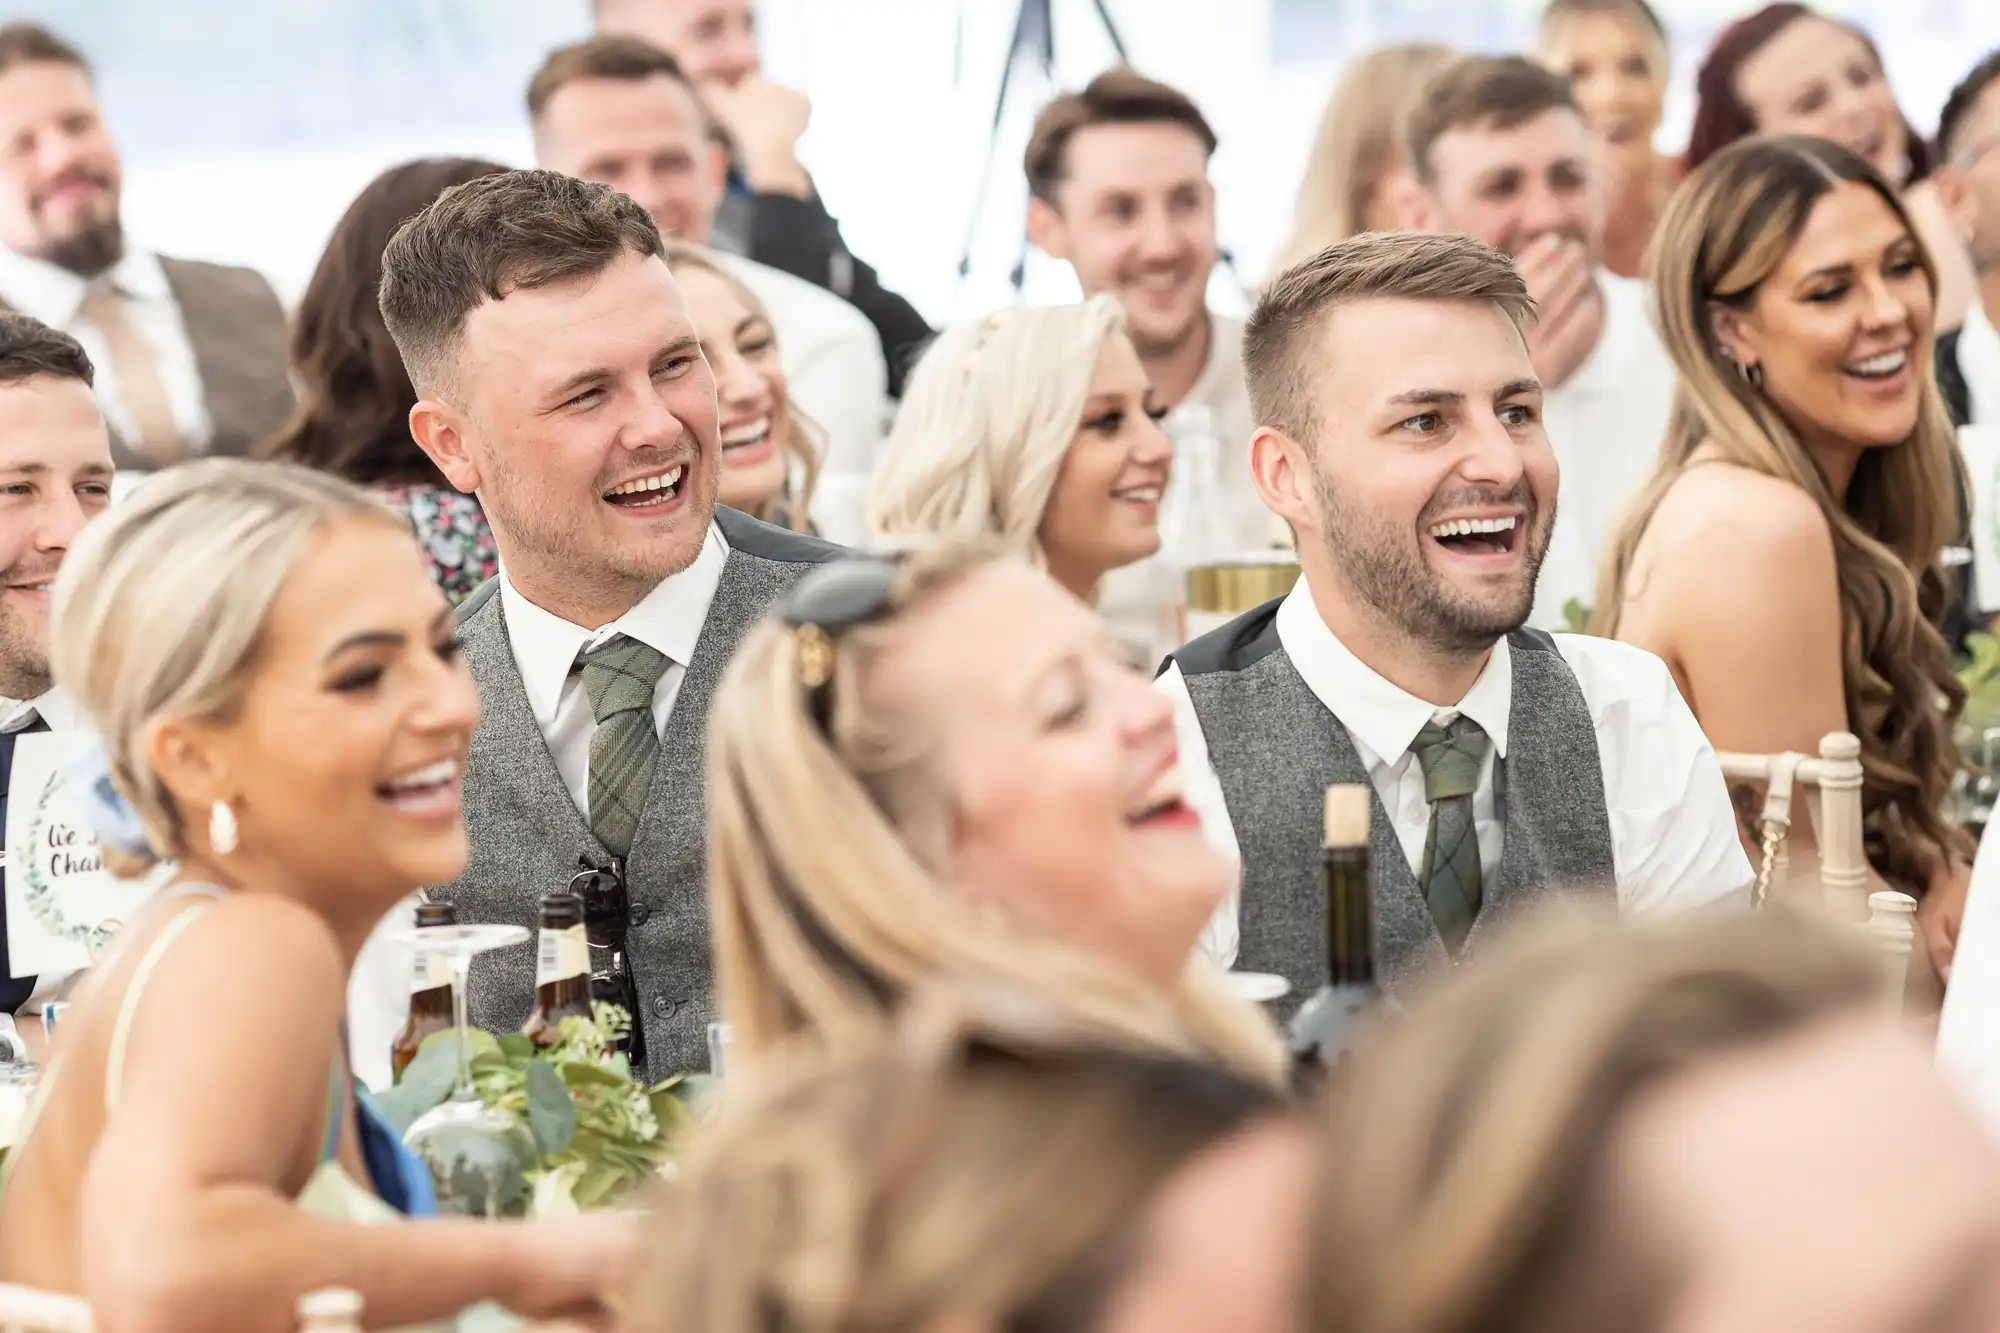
(574, 1269)
(1939, 915)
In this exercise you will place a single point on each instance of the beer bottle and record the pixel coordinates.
(1326, 1028)
(562, 970)
(430, 991)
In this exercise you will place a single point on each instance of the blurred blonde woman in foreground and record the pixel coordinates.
(1358, 168)
(941, 767)
(1703, 1125)
(285, 714)
(1036, 427)
(975, 1176)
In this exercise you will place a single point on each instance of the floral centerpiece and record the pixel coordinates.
(590, 1133)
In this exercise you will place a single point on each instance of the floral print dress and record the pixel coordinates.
(451, 531)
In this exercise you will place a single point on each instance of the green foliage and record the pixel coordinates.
(599, 1133)
(1979, 672)
(1576, 616)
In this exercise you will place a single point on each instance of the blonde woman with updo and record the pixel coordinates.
(284, 717)
(977, 1172)
(942, 767)
(1037, 427)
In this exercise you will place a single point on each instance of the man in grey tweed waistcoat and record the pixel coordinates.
(1401, 440)
(562, 382)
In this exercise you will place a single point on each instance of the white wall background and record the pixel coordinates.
(247, 125)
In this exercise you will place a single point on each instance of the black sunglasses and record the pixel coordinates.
(829, 600)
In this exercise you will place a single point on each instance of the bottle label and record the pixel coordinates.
(429, 971)
(564, 954)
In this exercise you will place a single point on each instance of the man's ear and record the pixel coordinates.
(1415, 207)
(1047, 229)
(437, 427)
(1955, 194)
(1282, 471)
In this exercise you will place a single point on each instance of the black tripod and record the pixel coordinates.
(1034, 41)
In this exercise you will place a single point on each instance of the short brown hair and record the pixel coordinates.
(1489, 92)
(490, 237)
(1115, 97)
(29, 348)
(1417, 266)
(32, 44)
(624, 59)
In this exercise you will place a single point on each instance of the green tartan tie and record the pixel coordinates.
(1450, 756)
(619, 677)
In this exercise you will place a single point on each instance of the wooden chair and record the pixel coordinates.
(1833, 780)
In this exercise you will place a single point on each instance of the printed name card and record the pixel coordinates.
(62, 904)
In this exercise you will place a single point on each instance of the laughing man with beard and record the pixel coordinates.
(190, 356)
(1401, 440)
(1499, 151)
(55, 476)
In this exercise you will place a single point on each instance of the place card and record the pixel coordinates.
(62, 904)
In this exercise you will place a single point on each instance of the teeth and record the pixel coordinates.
(1886, 364)
(1141, 494)
(430, 775)
(1163, 793)
(747, 434)
(1157, 282)
(1465, 527)
(666, 481)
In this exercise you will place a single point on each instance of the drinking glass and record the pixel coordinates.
(478, 1156)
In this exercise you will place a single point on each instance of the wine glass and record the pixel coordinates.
(478, 1156)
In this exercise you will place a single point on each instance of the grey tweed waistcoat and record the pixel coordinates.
(527, 834)
(1276, 749)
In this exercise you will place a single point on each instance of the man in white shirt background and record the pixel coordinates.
(1403, 444)
(190, 356)
(621, 112)
(1968, 181)
(1499, 151)
(55, 476)
(578, 407)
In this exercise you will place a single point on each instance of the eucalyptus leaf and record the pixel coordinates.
(551, 1114)
(481, 1042)
(578, 1075)
(516, 1047)
(598, 1182)
(427, 1082)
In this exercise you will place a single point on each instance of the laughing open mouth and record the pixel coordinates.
(1478, 536)
(646, 492)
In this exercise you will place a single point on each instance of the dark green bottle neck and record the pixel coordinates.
(1350, 917)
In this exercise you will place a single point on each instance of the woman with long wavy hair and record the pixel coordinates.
(353, 417)
(940, 767)
(1784, 557)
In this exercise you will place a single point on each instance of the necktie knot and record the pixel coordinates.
(1450, 756)
(619, 676)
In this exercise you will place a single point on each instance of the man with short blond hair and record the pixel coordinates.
(1400, 437)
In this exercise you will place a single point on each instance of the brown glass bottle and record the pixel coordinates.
(430, 991)
(562, 970)
(1326, 1028)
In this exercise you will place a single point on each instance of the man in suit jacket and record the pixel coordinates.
(190, 356)
(55, 476)
(577, 405)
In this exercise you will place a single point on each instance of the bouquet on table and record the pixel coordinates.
(588, 1133)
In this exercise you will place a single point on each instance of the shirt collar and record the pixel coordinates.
(53, 294)
(55, 708)
(669, 619)
(1382, 716)
(1979, 359)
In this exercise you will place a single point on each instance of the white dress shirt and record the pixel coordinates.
(1606, 423)
(54, 295)
(546, 648)
(837, 377)
(669, 619)
(1968, 1039)
(1979, 363)
(1674, 845)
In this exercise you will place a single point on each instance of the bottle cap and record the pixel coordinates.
(1347, 810)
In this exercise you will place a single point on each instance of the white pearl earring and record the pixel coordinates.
(221, 828)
